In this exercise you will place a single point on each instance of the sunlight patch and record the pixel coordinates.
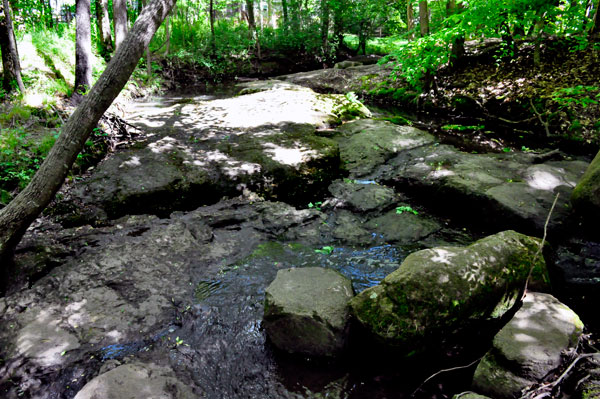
(289, 156)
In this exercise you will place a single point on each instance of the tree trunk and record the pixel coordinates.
(284, 7)
(270, 13)
(450, 7)
(596, 27)
(120, 21)
(48, 11)
(168, 36)
(410, 19)
(325, 26)
(250, 12)
(83, 49)
(16, 217)
(424, 18)
(211, 18)
(104, 33)
(10, 55)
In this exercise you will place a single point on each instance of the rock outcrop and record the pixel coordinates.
(306, 311)
(437, 291)
(528, 348)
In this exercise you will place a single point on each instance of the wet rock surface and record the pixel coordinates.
(180, 289)
(529, 347)
(306, 311)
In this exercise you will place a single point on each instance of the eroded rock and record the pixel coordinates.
(528, 348)
(586, 195)
(436, 291)
(136, 381)
(501, 189)
(306, 311)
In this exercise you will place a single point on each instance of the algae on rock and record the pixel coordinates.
(438, 291)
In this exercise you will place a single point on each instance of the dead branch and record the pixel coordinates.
(539, 116)
(445, 371)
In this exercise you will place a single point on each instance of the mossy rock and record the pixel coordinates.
(586, 195)
(437, 291)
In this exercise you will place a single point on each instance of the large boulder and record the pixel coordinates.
(437, 291)
(505, 190)
(136, 381)
(306, 311)
(586, 195)
(367, 143)
(528, 347)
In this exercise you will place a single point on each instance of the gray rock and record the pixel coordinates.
(586, 196)
(136, 381)
(504, 189)
(366, 144)
(306, 311)
(528, 347)
(438, 291)
(346, 64)
(362, 197)
(470, 395)
(403, 228)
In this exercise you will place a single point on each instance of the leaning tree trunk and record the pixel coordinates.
(8, 46)
(104, 33)
(284, 7)
(424, 18)
(16, 217)
(83, 49)
(120, 21)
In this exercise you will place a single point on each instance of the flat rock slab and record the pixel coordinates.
(136, 381)
(529, 347)
(197, 152)
(366, 144)
(500, 189)
(306, 311)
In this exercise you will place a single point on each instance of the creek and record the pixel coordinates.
(185, 290)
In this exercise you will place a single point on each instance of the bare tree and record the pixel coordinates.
(18, 215)
(424, 17)
(104, 33)
(8, 46)
(120, 20)
(83, 49)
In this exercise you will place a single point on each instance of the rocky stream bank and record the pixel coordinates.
(148, 276)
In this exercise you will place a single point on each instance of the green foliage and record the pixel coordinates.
(401, 209)
(325, 250)
(462, 127)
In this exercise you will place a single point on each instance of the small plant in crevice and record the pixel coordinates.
(401, 209)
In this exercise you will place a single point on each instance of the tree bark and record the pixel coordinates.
(424, 18)
(16, 217)
(211, 18)
(168, 36)
(120, 20)
(250, 12)
(104, 32)
(325, 27)
(284, 7)
(596, 27)
(410, 19)
(10, 55)
(83, 49)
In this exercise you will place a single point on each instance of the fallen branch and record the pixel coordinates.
(445, 371)
(539, 116)
(539, 251)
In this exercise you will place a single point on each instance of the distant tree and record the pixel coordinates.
(104, 31)
(284, 7)
(325, 26)
(18, 215)
(596, 25)
(83, 49)
(8, 46)
(410, 19)
(424, 17)
(120, 20)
